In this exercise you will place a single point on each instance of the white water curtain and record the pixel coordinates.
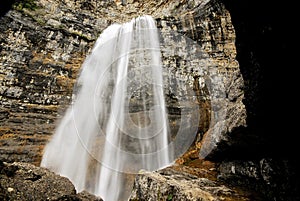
(117, 123)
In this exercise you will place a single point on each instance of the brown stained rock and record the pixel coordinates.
(199, 168)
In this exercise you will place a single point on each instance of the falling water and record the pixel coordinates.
(117, 123)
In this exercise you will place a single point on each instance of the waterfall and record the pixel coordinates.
(117, 123)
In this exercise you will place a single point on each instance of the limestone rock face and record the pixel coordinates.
(44, 46)
(42, 50)
(210, 66)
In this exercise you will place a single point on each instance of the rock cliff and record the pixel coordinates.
(44, 42)
(39, 67)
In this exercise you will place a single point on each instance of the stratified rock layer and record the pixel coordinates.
(44, 46)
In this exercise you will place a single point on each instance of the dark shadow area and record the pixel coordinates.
(266, 50)
(264, 41)
(5, 6)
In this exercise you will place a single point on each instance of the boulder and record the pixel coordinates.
(24, 181)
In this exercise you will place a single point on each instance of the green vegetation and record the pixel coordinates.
(25, 4)
(30, 9)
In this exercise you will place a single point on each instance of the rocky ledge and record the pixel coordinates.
(255, 180)
(191, 180)
(24, 181)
